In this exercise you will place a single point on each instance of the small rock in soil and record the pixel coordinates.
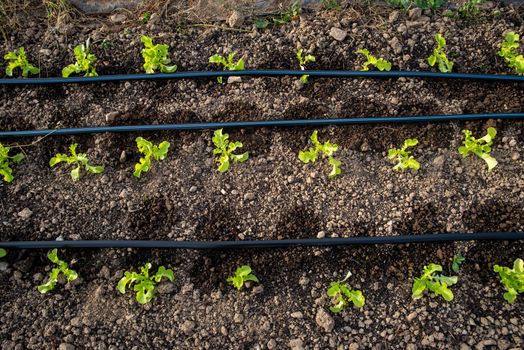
(25, 213)
(187, 327)
(324, 320)
(338, 34)
(296, 344)
(236, 19)
(165, 288)
(66, 346)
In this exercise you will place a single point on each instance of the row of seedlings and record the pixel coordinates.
(156, 59)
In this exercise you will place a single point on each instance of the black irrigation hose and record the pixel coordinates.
(260, 73)
(254, 244)
(259, 124)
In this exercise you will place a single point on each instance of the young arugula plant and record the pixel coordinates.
(144, 284)
(436, 283)
(242, 274)
(512, 279)
(404, 157)
(508, 51)
(302, 60)
(78, 159)
(155, 57)
(432, 5)
(226, 148)
(2, 253)
(469, 9)
(149, 151)
(380, 63)
(228, 64)
(146, 16)
(458, 259)
(341, 294)
(289, 14)
(439, 56)
(85, 61)
(18, 59)
(5, 160)
(480, 147)
(327, 149)
(331, 5)
(63, 268)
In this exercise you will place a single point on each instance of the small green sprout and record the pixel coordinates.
(156, 57)
(458, 259)
(79, 159)
(228, 64)
(400, 4)
(469, 9)
(439, 56)
(63, 267)
(226, 148)
(331, 5)
(149, 151)
(404, 157)
(302, 61)
(146, 16)
(341, 294)
(84, 62)
(512, 279)
(19, 60)
(289, 14)
(432, 5)
(5, 160)
(144, 284)
(327, 149)
(380, 63)
(242, 274)
(510, 54)
(2, 253)
(480, 147)
(437, 284)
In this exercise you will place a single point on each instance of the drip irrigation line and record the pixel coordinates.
(260, 73)
(255, 244)
(259, 124)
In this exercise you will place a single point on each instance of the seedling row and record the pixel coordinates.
(432, 280)
(156, 59)
(226, 152)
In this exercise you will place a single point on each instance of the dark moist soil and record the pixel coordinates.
(271, 196)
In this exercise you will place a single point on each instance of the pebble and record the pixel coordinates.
(515, 156)
(271, 344)
(296, 344)
(187, 327)
(324, 320)
(297, 315)
(338, 34)
(165, 288)
(236, 19)
(249, 196)
(396, 45)
(25, 213)
(66, 346)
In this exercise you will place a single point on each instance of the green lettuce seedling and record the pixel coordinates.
(155, 57)
(439, 56)
(228, 64)
(380, 63)
(302, 60)
(144, 285)
(18, 59)
(78, 159)
(510, 54)
(149, 151)
(435, 283)
(63, 267)
(480, 147)
(225, 148)
(457, 261)
(327, 149)
(84, 62)
(242, 274)
(6, 160)
(2, 253)
(512, 279)
(404, 157)
(341, 294)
